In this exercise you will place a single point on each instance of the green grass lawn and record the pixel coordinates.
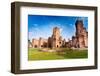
(36, 54)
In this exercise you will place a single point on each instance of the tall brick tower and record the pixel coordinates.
(79, 27)
(55, 37)
(81, 34)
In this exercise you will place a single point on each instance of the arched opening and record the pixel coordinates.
(35, 46)
(41, 45)
(57, 46)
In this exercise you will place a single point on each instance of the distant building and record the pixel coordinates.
(80, 40)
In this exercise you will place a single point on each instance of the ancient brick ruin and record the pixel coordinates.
(80, 40)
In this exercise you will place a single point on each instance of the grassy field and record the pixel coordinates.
(36, 54)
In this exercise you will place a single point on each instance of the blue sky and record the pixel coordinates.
(42, 25)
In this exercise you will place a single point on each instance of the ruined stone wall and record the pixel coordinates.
(74, 41)
(50, 42)
(40, 43)
(35, 43)
(86, 39)
(81, 41)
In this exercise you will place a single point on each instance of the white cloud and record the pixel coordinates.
(36, 29)
(35, 25)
